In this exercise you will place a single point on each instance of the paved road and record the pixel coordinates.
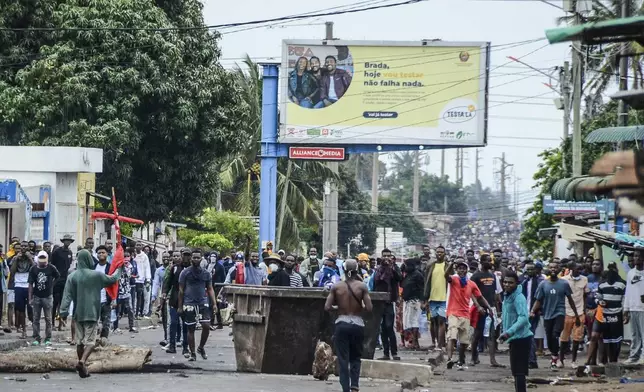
(219, 372)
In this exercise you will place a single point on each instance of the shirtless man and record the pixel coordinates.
(351, 297)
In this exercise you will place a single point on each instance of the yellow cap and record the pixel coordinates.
(363, 257)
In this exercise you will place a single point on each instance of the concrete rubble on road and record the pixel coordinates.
(411, 373)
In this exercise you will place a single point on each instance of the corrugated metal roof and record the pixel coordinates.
(614, 30)
(616, 134)
(571, 188)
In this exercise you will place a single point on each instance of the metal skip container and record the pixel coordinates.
(276, 329)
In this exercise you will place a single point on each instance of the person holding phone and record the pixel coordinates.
(516, 327)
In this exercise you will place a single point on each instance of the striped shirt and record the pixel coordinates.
(296, 280)
(612, 295)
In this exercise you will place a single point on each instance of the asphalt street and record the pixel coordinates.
(218, 371)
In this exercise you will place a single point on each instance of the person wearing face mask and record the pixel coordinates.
(126, 284)
(41, 288)
(311, 265)
(287, 276)
(551, 296)
(329, 274)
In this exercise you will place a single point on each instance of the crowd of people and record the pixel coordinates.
(479, 299)
(482, 235)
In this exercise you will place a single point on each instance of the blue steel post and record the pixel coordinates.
(268, 174)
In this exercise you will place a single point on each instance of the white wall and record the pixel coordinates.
(29, 180)
(66, 207)
(52, 159)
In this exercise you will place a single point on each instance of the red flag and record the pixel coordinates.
(119, 258)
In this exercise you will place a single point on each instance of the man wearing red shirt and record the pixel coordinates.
(462, 290)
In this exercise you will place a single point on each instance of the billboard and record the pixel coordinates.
(551, 206)
(366, 92)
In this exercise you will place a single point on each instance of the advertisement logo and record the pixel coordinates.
(464, 56)
(317, 153)
(313, 132)
(460, 114)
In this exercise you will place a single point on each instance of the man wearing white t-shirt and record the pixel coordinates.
(103, 267)
(143, 279)
(634, 308)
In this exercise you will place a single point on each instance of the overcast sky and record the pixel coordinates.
(520, 128)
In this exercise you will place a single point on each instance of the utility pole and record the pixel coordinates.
(416, 192)
(477, 188)
(503, 177)
(375, 171)
(330, 225)
(442, 163)
(462, 166)
(564, 82)
(458, 165)
(622, 107)
(576, 102)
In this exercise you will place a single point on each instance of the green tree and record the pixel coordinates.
(356, 219)
(212, 241)
(231, 225)
(395, 213)
(601, 61)
(157, 102)
(304, 184)
(551, 170)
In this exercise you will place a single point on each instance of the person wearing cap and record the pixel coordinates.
(19, 281)
(61, 258)
(363, 265)
(462, 290)
(41, 285)
(287, 276)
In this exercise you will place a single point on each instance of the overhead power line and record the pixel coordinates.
(219, 26)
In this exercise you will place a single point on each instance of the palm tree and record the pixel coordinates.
(302, 181)
(403, 164)
(602, 61)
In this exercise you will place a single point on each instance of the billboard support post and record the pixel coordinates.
(268, 173)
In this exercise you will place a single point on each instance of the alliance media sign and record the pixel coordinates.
(317, 153)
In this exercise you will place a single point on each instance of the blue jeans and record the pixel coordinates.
(306, 103)
(534, 322)
(177, 330)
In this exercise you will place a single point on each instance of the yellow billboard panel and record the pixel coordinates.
(86, 183)
(363, 92)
